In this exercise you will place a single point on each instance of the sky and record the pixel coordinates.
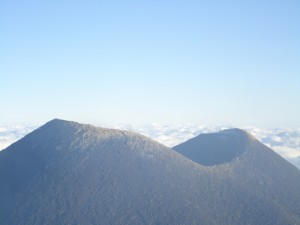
(213, 62)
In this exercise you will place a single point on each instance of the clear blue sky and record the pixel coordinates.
(213, 62)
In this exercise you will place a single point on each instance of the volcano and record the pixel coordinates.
(70, 173)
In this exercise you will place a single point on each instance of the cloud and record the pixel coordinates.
(170, 134)
(13, 132)
(284, 141)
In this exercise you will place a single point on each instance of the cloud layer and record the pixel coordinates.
(10, 133)
(284, 141)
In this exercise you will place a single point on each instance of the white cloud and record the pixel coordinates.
(284, 141)
(13, 132)
(287, 152)
(170, 134)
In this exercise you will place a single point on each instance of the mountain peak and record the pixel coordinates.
(238, 132)
(60, 136)
(233, 131)
(216, 148)
(61, 122)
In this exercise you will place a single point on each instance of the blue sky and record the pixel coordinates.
(212, 62)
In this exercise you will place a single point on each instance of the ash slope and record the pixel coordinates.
(69, 173)
(255, 166)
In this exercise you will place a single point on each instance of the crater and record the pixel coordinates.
(215, 148)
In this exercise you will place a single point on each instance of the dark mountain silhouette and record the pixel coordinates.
(69, 173)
